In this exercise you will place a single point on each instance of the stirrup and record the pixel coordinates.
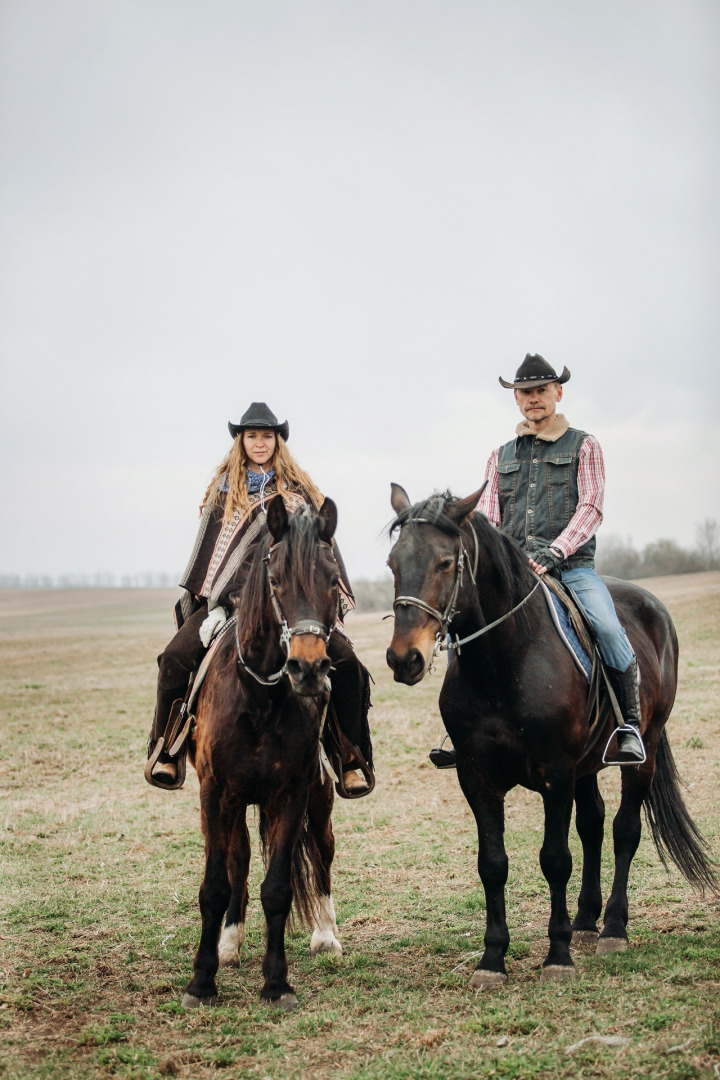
(637, 754)
(362, 766)
(152, 761)
(443, 759)
(178, 729)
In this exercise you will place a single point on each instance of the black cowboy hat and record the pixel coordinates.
(259, 416)
(534, 371)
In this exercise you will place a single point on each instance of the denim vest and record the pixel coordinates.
(538, 491)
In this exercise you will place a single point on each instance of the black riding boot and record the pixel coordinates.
(442, 758)
(630, 748)
(164, 770)
(350, 700)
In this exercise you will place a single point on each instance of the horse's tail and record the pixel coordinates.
(309, 876)
(674, 832)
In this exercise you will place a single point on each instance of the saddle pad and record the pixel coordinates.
(567, 632)
(207, 660)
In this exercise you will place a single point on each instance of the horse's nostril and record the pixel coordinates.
(322, 667)
(295, 669)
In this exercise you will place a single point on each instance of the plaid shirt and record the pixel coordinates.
(588, 516)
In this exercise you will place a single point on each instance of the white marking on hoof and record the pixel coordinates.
(608, 945)
(487, 980)
(189, 1001)
(324, 936)
(286, 1002)
(585, 937)
(231, 939)
(558, 972)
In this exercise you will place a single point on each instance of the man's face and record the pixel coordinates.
(537, 403)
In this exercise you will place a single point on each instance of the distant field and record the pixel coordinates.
(100, 873)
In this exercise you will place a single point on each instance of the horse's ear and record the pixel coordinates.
(277, 517)
(462, 509)
(399, 498)
(328, 520)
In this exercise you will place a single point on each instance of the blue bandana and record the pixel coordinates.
(258, 481)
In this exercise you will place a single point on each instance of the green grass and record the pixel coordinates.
(100, 875)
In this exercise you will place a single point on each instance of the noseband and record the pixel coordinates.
(447, 616)
(287, 633)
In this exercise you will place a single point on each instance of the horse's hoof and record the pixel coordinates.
(585, 937)
(229, 961)
(326, 944)
(487, 980)
(608, 945)
(286, 1002)
(558, 972)
(189, 1001)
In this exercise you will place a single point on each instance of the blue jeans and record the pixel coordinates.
(593, 594)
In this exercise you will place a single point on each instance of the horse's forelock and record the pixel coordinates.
(433, 510)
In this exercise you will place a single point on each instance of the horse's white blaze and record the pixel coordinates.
(231, 939)
(324, 936)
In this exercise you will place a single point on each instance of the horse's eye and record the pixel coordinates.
(447, 563)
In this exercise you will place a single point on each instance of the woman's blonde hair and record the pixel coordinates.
(289, 477)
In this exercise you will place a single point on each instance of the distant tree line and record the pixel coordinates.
(88, 581)
(615, 556)
(619, 558)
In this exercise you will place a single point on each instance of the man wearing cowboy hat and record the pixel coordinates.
(545, 488)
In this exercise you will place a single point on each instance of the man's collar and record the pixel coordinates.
(551, 433)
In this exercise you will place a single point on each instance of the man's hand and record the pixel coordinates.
(546, 559)
(212, 624)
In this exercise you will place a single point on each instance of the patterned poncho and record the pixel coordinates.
(223, 550)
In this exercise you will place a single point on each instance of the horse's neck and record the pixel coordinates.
(487, 599)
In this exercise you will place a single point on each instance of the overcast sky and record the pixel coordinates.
(361, 212)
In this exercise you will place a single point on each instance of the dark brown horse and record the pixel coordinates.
(259, 722)
(515, 705)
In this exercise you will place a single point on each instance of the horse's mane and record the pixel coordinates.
(508, 560)
(295, 558)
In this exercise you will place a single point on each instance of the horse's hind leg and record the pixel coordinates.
(590, 822)
(321, 848)
(214, 897)
(556, 865)
(626, 837)
(233, 932)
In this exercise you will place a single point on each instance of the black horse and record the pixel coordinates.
(260, 715)
(515, 705)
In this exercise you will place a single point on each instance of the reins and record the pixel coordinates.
(287, 633)
(445, 618)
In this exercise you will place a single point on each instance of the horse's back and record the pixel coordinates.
(652, 634)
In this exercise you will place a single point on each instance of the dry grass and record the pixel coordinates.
(100, 876)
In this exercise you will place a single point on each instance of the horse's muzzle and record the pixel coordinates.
(308, 677)
(408, 668)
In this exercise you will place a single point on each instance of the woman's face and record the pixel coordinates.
(259, 447)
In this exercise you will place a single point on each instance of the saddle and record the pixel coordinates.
(576, 632)
(335, 747)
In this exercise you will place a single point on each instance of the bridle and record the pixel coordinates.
(445, 617)
(287, 633)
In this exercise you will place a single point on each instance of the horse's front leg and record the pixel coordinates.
(233, 933)
(322, 848)
(590, 822)
(214, 897)
(283, 827)
(556, 865)
(489, 811)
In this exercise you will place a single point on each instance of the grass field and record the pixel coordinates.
(100, 875)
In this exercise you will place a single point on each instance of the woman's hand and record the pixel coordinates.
(209, 628)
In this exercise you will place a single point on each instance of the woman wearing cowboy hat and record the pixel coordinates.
(257, 468)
